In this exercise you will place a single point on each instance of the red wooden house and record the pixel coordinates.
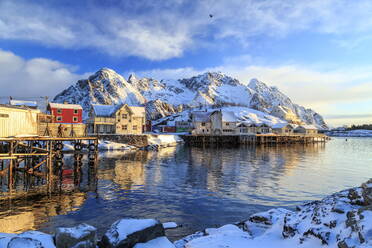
(66, 113)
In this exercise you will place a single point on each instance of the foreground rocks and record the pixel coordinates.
(341, 220)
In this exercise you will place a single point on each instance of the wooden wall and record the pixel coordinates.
(18, 121)
(79, 129)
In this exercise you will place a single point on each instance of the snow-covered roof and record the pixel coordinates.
(138, 111)
(228, 116)
(281, 125)
(104, 110)
(201, 116)
(64, 106)
(23, 103)
(308, 127)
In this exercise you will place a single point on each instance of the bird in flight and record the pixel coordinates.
(210, 15)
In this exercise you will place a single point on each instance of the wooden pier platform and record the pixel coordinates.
(253, 139)
(37, 155)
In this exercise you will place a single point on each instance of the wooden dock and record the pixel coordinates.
(40, 155)
(257, 139)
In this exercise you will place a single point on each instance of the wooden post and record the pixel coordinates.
(10, 169)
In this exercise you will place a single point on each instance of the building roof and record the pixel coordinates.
(282, 125)
(18, 107)
(229, 116)
(104, 110)
(32, 104)
(64, 106)
(201, 116)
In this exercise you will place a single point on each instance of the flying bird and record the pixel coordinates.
(210, 15)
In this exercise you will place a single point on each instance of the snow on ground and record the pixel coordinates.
(105, 145)
(351, 133)
(161, 242)
(341, 220)
(243, 114)
(164, 139)
(169, 225)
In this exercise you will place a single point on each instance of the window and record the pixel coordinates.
(4, 115)
(227, 124)
(76, 111)
(59, 111)
(124, 116)
(124, 127)
(59, 118)
(134, 127)
(203, 124)
(74, 119)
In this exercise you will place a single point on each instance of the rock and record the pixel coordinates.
(170, 225)
(31, 239)
(81, 236)
(18, 242)
(161, 242)
(126, 233)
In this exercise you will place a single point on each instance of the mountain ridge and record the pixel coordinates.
(166, 97)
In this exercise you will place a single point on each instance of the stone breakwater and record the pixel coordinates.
(341, 220)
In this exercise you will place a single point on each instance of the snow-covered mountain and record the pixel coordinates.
(166, 97)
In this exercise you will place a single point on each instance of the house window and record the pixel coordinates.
(59, 118)
(74, 119)
(134, 127)
(124, 127)
(203, 124)
(4, 115)
(227, 124)
(76, 111)
(124, 116)
(59, 111)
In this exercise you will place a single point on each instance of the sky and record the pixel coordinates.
(317, 52)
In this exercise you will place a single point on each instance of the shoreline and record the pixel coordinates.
(342, 219)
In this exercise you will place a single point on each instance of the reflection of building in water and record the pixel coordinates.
(125, 170)
(237, 169)
(28, 214)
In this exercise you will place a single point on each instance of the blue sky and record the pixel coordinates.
(317, 52)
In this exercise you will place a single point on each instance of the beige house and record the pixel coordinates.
(246, 128)
(263, 128)
(201, 122)
(116, 119)
(283, 128)
(306, 129)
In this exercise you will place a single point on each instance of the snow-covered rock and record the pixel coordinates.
(128, 232)
(29, 239)
(161, 242)
(82, 235)
(166, 97)
(341, 220)
(170, 225)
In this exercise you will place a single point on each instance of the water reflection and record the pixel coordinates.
(196, 187)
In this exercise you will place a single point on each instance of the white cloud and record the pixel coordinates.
(34, 77)
(166, 29)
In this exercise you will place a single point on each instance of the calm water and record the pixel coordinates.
(195, 187)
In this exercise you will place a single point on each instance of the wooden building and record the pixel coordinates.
(201, 122)
(65, 113)
(15, 121)
(116, 119)
(283, 128)
(306, 129)
(244, 128)
(263, 128)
